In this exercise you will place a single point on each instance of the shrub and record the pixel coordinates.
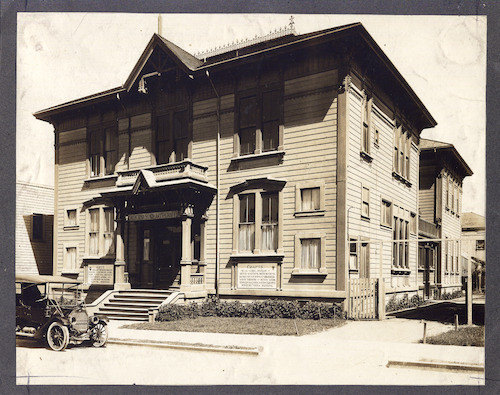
(395, 304)
(451, 295)
(270, 308)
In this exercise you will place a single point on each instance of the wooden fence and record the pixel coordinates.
(362, 298)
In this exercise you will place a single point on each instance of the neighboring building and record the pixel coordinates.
(244, 173)
(442, 171)
(34, 228)
(474, 247)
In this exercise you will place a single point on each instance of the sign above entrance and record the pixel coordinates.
(154, 216)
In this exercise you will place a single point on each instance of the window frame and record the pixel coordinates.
(366, 125)
(98, 155)
(258, 93)
(298, 198)
(401, 244)
(401, 161)
(382, 216)
(171, 139)
(365, 202)
(66, 266)
(299, 237)
(67, 225)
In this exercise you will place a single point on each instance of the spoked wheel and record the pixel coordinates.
(57, 336)
(99, 334)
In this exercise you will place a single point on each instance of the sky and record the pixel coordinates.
(64, 56)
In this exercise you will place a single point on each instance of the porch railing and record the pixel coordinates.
(164, 172)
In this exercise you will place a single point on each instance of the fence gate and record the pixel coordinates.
(362, 298)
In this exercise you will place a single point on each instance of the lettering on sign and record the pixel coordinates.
(100, 274)
(252, 276)
(153, 216)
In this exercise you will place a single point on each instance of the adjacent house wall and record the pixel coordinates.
(33, 256)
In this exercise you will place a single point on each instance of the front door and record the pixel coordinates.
(167, 256)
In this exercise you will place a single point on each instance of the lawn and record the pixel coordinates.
(465, 336)
(239, 325)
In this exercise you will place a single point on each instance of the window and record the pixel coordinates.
(421, 257)
(310, 254)
(446, 255)
(452, 188)
(172, 137)
(269, 222)
(94, 231)
(70, 258)
(247, 223)
(70, 218)
(447, 186)
(353, 254)
(386, 214)
(364, 260)
(365, 204)
(109, 228)
(366, 110)
(37, 227)
(103, 150)
(480, 245)
(259, 120)
(400, 249)
(310, 199)
(401, 160)
(100, 231)
(377, 137)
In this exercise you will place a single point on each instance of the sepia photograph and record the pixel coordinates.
(250, 199)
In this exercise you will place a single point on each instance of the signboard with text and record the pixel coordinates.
(100, 274)
(256, 276)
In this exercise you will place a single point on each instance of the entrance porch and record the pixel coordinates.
(161, 228)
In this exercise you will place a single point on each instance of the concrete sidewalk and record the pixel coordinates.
(393, 339)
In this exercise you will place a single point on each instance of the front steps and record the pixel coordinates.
(133, 304)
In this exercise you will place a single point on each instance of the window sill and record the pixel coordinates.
(101, 178)
(400, 178)
(70, 271)
(315, 213)
(105, 258)
(365, 218)
(258, 156)
(353, 270)
(366, 156)
(386, 227)
(304, 272)
(71, 227)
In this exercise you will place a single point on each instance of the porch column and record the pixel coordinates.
(203, 234)
(120, 257)
(186, 257)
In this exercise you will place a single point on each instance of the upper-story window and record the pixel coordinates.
(366, 123)
(37, 227)
(401, 160)
(172, 137)
(103, 150)
(259, 121)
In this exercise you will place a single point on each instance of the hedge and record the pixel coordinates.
(270, 308)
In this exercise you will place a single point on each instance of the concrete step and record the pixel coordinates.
(127, 315)
(130, 304)
(107, 309)
(137, 300)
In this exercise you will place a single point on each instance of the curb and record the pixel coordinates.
(437, 365)
(188, 346)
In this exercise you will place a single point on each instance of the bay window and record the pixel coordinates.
(100, 231)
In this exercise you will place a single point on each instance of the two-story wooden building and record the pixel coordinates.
(256, 172)
(442, 171)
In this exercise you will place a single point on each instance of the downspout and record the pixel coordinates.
(217, 181)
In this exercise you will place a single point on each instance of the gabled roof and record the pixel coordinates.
(184, 60)
(355, 33)
(428, 145)
(473, 221)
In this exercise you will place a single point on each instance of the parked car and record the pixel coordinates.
(52, 308)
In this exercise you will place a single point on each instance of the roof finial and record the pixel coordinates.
(159, 24)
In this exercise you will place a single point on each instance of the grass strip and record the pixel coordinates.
(464, 336)
(240, 325)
